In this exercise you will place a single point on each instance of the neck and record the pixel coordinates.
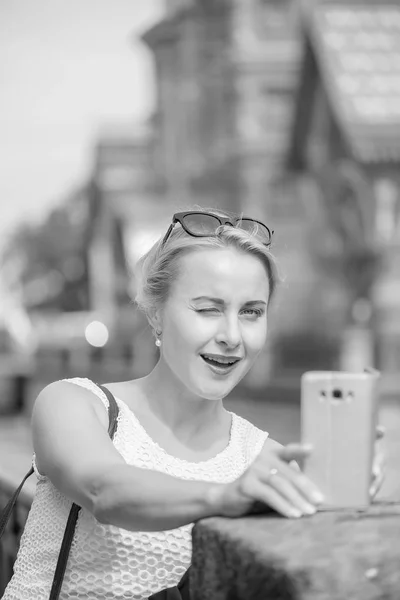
(175, 406)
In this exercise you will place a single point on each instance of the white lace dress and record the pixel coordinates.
(108, 562)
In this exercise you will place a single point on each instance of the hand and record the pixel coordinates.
(378, 473)
(274, 482)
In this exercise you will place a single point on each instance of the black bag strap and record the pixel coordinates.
(9, 507)
(181, 591)
(113, 411)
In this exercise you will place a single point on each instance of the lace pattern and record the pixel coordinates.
(106, 561)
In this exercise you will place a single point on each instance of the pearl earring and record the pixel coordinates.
(158, 341)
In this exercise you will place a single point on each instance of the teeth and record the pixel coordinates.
(219, 361)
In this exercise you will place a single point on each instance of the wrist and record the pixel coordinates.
(214, 499)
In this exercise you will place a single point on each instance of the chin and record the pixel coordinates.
(215, 391)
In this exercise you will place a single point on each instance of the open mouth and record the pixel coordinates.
(223, 363)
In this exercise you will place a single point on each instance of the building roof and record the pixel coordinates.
(356, 47)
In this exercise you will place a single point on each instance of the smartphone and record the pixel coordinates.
(339, 415)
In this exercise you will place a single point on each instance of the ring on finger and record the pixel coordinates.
(272, 473)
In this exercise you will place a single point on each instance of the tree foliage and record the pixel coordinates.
(51, 256)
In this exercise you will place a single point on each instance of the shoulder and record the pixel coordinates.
(256, 439)
(129, 392)
(252, 437)
(248, 428)
(73, 394)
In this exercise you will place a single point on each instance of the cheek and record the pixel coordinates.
(255, 337)
(188, 329)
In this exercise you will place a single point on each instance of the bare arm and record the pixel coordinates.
(73, 449)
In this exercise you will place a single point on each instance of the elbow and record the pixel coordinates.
(100, 513)
(112, 502)
(98, 498)
(101, 505)
(107, 499)
(102, 516)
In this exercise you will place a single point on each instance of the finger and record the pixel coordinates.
(300, 451)
(380, 432)
(378, 462)
(376, 484)
(271, 497)
(298, 464)
(291, 494)
(294, 451)
(303, 485)
(294, 465)
(378, 472)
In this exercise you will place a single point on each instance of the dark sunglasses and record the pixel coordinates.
(204, 224)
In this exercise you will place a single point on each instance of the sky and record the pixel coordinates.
(67, 68)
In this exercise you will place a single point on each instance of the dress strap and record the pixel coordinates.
(92, 387)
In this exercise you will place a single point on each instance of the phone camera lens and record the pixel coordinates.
(336, 393)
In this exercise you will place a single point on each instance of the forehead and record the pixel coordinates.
(223, 272)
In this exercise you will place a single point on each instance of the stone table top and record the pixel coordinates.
(333, 555)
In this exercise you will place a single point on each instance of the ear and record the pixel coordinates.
(155, 319)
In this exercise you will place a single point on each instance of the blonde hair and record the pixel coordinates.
(157, 270)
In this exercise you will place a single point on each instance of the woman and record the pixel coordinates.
(178, 454)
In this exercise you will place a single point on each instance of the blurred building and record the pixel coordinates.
(130, 214)
(346, 144)
(124, 188)
(226, 73)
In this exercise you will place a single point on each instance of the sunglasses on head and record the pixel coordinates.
(205, 224)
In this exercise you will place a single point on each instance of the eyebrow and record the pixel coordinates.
(221, 302)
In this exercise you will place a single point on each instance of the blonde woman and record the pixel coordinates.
(178, 454)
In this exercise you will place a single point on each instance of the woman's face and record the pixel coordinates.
(214, 323)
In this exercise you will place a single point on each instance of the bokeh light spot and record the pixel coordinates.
(96, 334)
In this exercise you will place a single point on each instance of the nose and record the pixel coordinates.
(229, 333)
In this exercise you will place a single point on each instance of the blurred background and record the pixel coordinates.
(114, 115)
